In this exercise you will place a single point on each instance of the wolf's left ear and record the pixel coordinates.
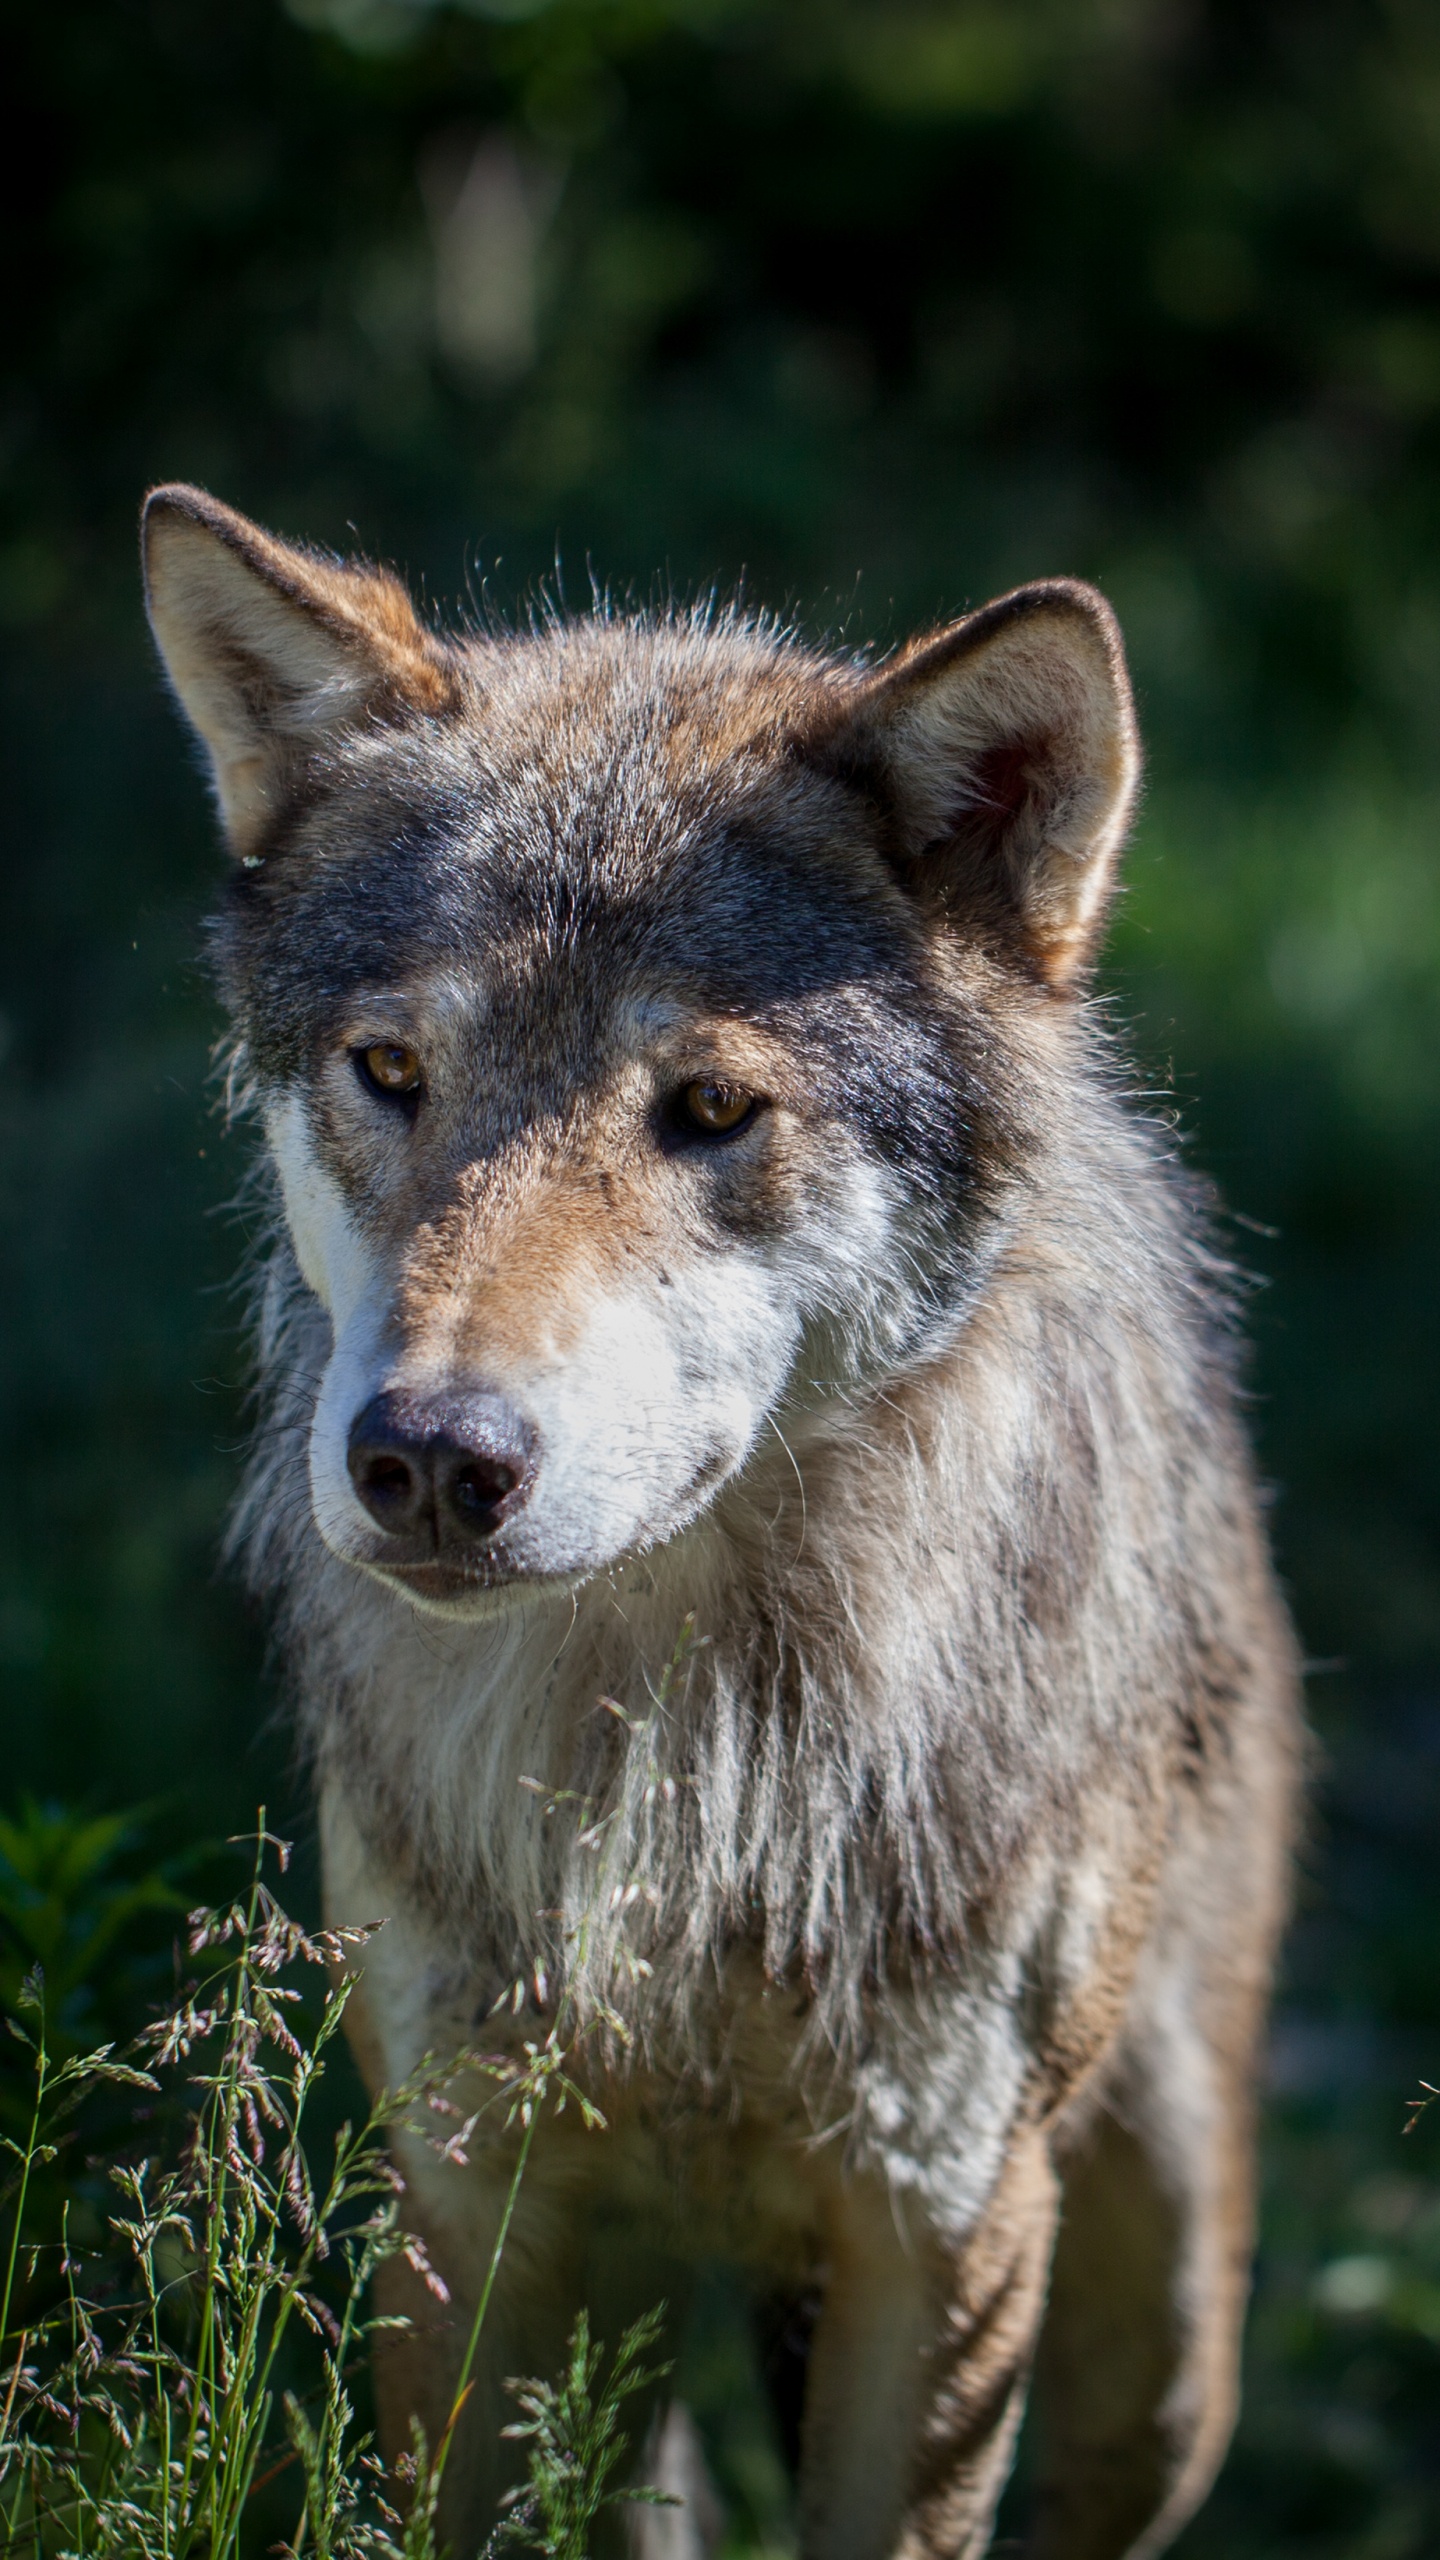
(1005, 752)
(273, 650)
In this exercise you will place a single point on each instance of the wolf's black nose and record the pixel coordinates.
(441, 1473)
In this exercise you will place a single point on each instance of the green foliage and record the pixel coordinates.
(939, 291)
(72, 1888)
(87, 1923)
(576, 2441)
(154, 2387)
(138, 2410)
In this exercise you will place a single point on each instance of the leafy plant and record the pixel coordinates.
(576, 2440)
(77, 1891)
(156, 2388)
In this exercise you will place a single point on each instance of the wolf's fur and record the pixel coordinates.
(888, 1590)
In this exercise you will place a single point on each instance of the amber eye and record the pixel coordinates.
(717, 1108)
(389, 1068)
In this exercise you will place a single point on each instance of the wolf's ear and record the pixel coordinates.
(1005, 752)
(272, 650)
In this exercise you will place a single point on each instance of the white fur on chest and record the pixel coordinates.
(740, 2159)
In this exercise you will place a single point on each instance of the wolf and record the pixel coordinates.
(754, 1495)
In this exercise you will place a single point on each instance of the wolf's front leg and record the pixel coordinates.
(918, 2370)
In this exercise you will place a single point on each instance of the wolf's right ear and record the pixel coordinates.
(273, 650)
(1005, 755)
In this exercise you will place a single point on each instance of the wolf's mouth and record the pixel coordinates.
(485, 1589)
(450, 1582)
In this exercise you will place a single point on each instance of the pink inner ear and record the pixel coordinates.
(1000, 782)
(1004, 776)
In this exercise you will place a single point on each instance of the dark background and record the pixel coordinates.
(884, 306)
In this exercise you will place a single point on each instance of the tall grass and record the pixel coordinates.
(167, 2383)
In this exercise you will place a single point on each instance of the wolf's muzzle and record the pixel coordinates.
(440, 1475)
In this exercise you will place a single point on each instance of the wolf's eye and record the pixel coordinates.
(389, 1069)
(718, 1109)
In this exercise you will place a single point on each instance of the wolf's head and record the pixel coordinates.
(645, 1016)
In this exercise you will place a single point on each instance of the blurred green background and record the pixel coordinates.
(883, 305)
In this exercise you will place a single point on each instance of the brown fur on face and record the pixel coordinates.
(885, 1581)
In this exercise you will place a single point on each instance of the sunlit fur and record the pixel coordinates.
(879, 1714)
